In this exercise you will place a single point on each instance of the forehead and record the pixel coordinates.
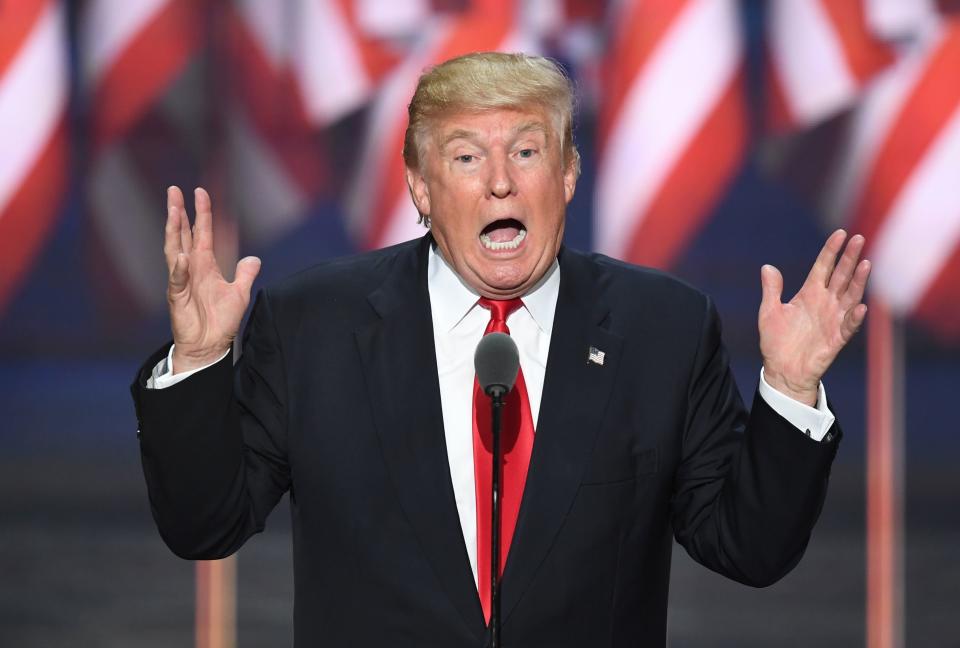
(501, 123)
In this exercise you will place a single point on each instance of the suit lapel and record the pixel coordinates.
(400, 368)
(575, 394)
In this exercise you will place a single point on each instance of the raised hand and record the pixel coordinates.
(205, 309)
(800, 339)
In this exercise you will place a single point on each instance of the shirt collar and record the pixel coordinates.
(451, 298)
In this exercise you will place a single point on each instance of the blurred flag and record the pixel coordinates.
(295, 68)
(888, 168)
(821, 53)
(132, 52)
(897, 180)
(672, 129)
(33, 101)
(380, 210)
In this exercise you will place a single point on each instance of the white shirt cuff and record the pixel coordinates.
(814, 421)
(162, 375)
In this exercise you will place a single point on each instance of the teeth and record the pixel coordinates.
(503, 245)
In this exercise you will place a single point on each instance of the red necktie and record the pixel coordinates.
(516, 443)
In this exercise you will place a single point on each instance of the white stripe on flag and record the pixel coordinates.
(272, 25)
(108, 27)
(683, 81)
(392, 19)
(896, 19)
(30, 110)
(922, 228)
(403, 224)
(874, 118)
(809, 61)
(332, 77)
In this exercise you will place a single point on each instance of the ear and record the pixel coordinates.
(419, 190)
(570, 177)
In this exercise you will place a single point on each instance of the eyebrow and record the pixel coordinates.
(531, 126)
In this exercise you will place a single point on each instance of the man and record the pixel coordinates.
(355, 393)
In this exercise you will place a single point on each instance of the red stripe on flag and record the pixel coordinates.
(939, 307)
(31, 212)
(695, 183)
(141, 72)
(934, 99)
(17, 20)
(641, 31)
(865, 54)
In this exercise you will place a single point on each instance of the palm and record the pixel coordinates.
(205, 309)
(800, 339)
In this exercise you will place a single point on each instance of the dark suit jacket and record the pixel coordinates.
(336, 400)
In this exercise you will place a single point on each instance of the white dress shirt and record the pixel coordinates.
(458, 325)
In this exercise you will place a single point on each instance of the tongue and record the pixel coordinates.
(503, 234)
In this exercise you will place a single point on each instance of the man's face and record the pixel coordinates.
(495, 188)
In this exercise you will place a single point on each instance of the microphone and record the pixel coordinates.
(497, 362)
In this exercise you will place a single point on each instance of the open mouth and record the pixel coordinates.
(503, 234)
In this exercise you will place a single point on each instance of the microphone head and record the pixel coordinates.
(497, 362)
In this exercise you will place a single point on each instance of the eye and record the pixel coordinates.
(466, 158)
(526, 153)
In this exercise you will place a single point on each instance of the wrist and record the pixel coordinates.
(800, 391)
(183, 360)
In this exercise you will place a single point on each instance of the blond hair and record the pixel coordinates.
(489, 81)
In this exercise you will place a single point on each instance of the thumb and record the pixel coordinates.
(771, 281)
(247, 270)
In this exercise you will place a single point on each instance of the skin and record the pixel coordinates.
(480, 168)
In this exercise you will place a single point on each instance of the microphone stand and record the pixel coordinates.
(496, 401)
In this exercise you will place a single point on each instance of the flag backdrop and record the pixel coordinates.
(899, 176)
(890, 71)
(33, 102)
(672, 124)
(131, 55)
(276, 106)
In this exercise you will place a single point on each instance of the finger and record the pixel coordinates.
(247, 270)
(171, 232)
(186, 236)
(203, 224)
(823, 266)
(858, 285)
(771, 282)
(179, 275)
(853, 320)
(843, 273)
(174, 197)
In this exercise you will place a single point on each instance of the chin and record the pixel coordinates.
(508, 280)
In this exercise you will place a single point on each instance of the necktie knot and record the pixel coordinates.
(499, 309)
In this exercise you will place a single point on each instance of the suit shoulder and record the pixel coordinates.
(352, 276)
(644, 286)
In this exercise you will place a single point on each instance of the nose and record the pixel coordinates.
(501, 177)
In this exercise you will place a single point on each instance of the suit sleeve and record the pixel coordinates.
(213, 446)
(749, 488)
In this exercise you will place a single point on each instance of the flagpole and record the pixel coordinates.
(215, 625)
(885, 479)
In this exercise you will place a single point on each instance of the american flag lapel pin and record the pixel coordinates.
(595, 356)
